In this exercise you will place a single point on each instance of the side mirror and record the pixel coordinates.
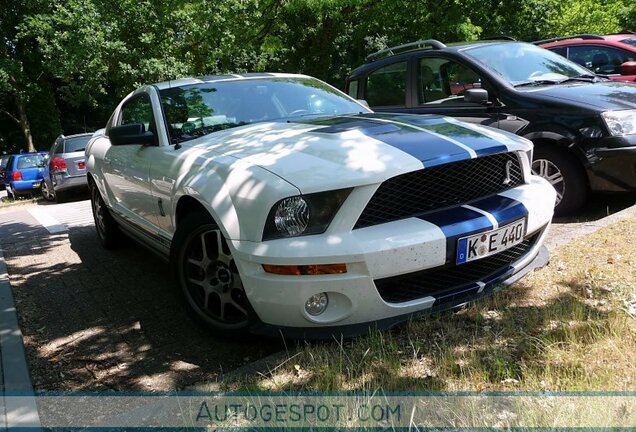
(476, 96)
(363, 102)
(628, 68)
(134, 133)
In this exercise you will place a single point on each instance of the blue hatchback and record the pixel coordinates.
(24, 174)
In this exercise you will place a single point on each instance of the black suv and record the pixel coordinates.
(583, 125)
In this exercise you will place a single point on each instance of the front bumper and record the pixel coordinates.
(379, 252)
(613, 169)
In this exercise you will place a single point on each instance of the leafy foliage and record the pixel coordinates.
(66, 64)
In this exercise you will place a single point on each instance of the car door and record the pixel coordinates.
(126, 167)
(433, 84)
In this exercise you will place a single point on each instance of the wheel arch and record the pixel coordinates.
(563, 141)
(188, 204)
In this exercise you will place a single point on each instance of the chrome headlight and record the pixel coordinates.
(303, 214)
(620, 123)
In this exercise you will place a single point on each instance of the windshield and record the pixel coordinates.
(195, 110)
(72, 145)
(630, 41)
(521, 63)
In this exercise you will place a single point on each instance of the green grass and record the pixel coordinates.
(565, 327)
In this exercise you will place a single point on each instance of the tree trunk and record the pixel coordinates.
(25, 125)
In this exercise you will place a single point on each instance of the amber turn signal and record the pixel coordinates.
(304, 270)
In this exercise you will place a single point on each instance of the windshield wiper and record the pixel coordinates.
(536, 83)
(582, 78)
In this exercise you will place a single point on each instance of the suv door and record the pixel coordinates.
(126, 167)
(600, 59)
(432, 84)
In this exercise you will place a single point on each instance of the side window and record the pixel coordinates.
(562, 51)
(387, 86)
(138, 110)
(444, 81)
(353, 89)
(58, 147)
(600, 59)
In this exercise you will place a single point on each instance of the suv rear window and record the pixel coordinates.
(76, 144)
(31, 161)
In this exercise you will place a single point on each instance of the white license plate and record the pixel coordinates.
(491, 242)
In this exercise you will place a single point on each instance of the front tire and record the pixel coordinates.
(105, 225)
(208, 277)
(565, 174)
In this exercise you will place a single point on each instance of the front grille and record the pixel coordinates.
(439, 280)
(428, 189)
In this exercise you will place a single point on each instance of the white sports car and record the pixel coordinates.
(284, 205)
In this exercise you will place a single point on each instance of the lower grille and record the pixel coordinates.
(433, 282)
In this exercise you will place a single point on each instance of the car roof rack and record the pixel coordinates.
(623, 32)
(433, 43)
(579, 36)
(501, 37)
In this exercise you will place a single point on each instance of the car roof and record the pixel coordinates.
(228, 77)
(609, 40)
(451, 47)
(76, 135)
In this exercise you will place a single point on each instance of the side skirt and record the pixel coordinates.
(152, 241)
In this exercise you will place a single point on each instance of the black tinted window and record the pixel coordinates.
(76, 144)
(444, 81)
(387, 86)
(600, 59)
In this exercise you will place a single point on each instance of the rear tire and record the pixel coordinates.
(565, 174)
(47, 192)
(105, 225)
(208, 278)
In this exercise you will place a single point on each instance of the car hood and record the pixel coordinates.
(316, 154)
(607, 95)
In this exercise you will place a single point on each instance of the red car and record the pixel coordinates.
(613, 55)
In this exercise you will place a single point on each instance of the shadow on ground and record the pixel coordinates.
(599, 206)
(95, 319)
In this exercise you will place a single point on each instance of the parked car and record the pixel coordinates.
(284, 205)
(4, 160)
(66, 168)
(613, 55)
(23, 175)
(583, 126)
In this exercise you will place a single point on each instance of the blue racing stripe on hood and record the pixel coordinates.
(431, 150)
(480, 143)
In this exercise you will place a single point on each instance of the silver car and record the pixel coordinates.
(66, 167)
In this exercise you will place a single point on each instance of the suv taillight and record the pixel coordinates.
(17, 175)
(58, 164)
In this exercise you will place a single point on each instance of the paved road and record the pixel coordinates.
(95, 319)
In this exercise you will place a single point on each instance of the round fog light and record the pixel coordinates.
(316, 304)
